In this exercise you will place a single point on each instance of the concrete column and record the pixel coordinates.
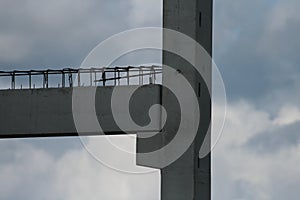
(188, 178)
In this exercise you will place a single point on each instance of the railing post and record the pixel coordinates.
(63, 81)
(13, 81)
(91, 78)
(29, 80)
(78, 78)
(70, 79)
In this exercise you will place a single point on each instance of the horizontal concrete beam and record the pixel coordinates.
(48, 112)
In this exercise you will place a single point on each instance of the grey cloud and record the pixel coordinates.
(30, 172)
(56, 34)
(255, 158)
(254, 61)
(272, 141)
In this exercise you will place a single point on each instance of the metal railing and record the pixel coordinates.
(92, 76)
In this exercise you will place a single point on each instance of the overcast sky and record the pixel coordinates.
(256, 47)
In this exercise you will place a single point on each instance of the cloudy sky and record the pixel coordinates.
(256, 49)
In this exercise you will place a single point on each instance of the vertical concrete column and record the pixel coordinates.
(188, 178)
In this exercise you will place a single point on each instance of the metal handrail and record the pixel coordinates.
(107, 74)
